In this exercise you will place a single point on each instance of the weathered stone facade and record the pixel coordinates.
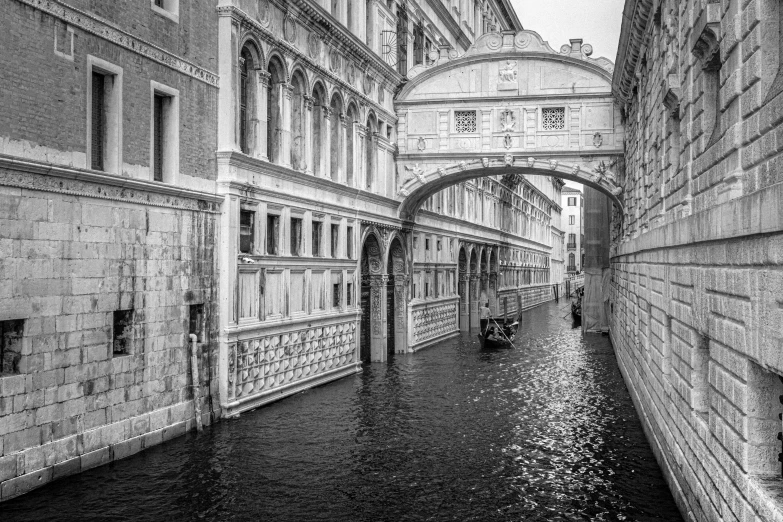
(100, 269)
(696, 256)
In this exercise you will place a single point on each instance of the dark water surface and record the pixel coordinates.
(545, 431)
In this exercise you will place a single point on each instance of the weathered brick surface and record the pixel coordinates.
(74, 247)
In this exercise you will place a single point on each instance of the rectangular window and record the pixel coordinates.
(336, 295)
(122, 333)
(157, 136)
(335, 240)
(196, 322)
(465, 121)
(317, 230)
(272, 234)
(98, 121)
(11, 333)
(247, 227)
(571, 220)
(167, 8)
(426, 244)
(553, 118)
(571, 202)
(349, 243)
(296, 236)
(349, 294)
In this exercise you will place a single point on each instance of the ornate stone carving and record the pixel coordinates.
(531, 161)
(381, 94)
(421, 144)
(433, 321)
(416, 171)
(263, 12)
(350, 73)
(313, 46)
(507, 141)
(334, 61)
(508, 160)
(264, 363)
(441, 172)
(598, 140)
(289, 28)
(403, 193)
(485, 162)
(587, 49)
(575, 170)
(508, 74)
(508, 122)
(552, 164)
(463, 165)
(367, 84)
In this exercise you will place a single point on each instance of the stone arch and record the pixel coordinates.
(336, 137)
(248, 120)
(463, 278)
(317, 134)
(298, 119)
(250, 39)
(396, 296)
(421, 185)
(371, 300)
(278, 79)
(473, 287)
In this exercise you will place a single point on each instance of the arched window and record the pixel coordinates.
(274, 108)
(319, 104)
(571, 262)
(298, 135)
(247, 106)
(336, 138)
(349, 145)
(372, 128)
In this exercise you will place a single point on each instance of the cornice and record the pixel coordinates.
(446, 18)
(35, 175)
(108, 31)
(637, 14)
(392, 77)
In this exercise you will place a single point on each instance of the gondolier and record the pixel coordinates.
(484, 315)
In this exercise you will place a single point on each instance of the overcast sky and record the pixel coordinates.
(597, 22)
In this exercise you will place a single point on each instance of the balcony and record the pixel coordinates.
(571, 246)
(571, 268)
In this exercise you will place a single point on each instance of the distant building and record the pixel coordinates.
(573, 226)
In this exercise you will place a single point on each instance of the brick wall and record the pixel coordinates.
(696, 259)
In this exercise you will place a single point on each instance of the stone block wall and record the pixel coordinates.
(696, 258)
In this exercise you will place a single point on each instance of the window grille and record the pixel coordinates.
(554, 118)
(98, 121)
(157, 123)
(465, 121)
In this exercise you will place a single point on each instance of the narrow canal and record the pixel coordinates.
(545, 431)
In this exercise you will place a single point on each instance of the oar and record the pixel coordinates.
(501, 331)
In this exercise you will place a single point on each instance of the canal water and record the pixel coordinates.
(542, 432)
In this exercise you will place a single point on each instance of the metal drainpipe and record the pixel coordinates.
(194, 377)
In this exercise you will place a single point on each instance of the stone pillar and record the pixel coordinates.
(286, 93)
(263, 124)
(474, 301)
(464, 310)
(400, 314)
(378, 318)
(371, 32)
(342, 174)
(308, 123)
(228, 53)
(492, 295)
(326, 141)
(595, 304)
(360, 162)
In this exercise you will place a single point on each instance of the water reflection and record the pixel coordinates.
(544, 431)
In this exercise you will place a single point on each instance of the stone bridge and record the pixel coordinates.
(510, 106)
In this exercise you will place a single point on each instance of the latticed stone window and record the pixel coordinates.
(554, 118)
(465, 121)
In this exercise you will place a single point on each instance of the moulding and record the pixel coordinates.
(108, 31)
(32, 175)
(706, 35)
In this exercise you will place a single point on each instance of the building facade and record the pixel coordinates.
(573, 217)
(696, 255)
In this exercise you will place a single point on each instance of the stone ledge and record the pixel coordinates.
(429, 342)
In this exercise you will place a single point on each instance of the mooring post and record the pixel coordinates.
(194, 378)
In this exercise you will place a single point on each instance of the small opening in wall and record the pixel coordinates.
(296, 236)
(349, 242)
(247, 220)
(335, 240)
(701, 385)
(11, 333)
(122, 332)
(349, 294)
(426, 244)
(336, 295)
(317, 231)
(196, 324)
(272, 234)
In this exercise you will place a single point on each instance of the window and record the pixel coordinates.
(164, 147)
(272, 234)
(122, 332)
(167, 8)
(247, 220)
(11, 333)
(335, 240)
(553, 118)
(571, 220)
(465, 121)
(104, 119)
(317, 230)
(296, 236)
(245, 61)
(349, 294)
(571, 202)
(426, 244)
(349, 243)
(196, 322)
(336, 295)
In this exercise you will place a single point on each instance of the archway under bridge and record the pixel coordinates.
(510, 106)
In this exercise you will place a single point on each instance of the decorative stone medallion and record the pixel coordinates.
(367, 85)
(263, 12)
(598, 140)
(334, 61)
(381, 94)
(421, 144)
(313, 46)
(485, 162)
(289, 28)
(350, 73)
(507, 142)
(508, 159)
(565, 49)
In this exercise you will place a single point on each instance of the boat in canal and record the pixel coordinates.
(576, 306)
(498, 336)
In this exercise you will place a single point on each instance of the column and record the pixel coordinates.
(492, 294)
(286, 93)
(228, 54)
(263, 124)
(371, 33)
(377, 315)
(474, 301)
(326, 141)
(464, 303)
(308, 148)
(342, 175)
(359, 171)
(400, 314)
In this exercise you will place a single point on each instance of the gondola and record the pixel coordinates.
(576, 306)
(498, 336)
